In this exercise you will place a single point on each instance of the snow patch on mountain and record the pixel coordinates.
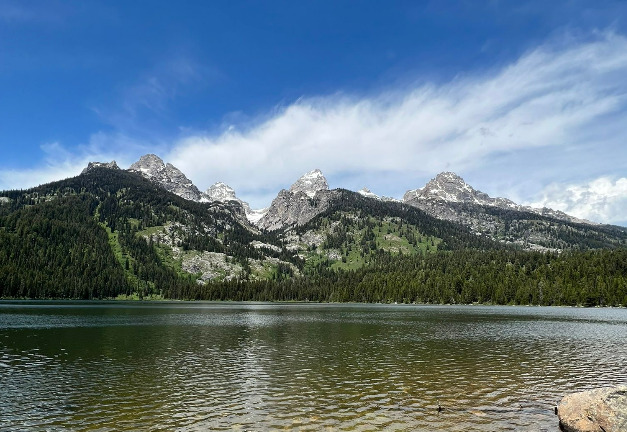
(448, 187)
(167, 176)
(306, 198)
(368, 193)
(254, 216)
(310, 183)
(223, 193)
(365, 192)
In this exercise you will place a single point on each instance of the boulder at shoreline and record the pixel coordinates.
(599, 410)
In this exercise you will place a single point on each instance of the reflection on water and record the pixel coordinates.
(222, 366)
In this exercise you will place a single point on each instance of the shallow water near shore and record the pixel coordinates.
(247, 366)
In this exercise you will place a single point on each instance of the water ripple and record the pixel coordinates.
(196, 367)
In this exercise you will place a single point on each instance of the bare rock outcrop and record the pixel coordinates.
(599, 410)
(306, 198)
(92, 165)
(167, 176)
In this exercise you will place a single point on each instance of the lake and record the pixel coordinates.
(111, 366)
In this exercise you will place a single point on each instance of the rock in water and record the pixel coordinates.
(594, 410)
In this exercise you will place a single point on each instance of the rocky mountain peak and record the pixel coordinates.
(290, 207)
(167, 176)
(448, 187)
(148, 165)
(443, 194)
(310, 183)
(367, 193)
(448, 176)
(221, 192)
(92, 165)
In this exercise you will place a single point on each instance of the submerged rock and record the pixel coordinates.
(599, 410)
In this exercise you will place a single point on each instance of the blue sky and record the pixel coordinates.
(523, 99)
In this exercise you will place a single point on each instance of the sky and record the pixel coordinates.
(523, 99)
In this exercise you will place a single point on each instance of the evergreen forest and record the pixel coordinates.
(112, 234)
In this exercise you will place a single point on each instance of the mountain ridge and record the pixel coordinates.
(446, 197)
(446, 187)
(111, 232)
(449, 187)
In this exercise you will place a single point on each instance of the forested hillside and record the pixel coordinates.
(590, 278)
(110, 233)
(92, 236)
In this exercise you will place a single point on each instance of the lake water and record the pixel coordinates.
(231, 366)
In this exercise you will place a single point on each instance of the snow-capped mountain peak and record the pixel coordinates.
(167, 176)
(148, 165)
(448, 187)
(310, 183)
(367, 193)
(221, 192)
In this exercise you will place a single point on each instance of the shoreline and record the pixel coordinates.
(287, 302)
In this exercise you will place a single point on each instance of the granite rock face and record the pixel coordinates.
(225, 193)
(310, 183)
(600, 410)
(449, 190)
(293, 209)
(167, 176)
(306, 198)
(449, 197)
(92, 165)
(221, 192)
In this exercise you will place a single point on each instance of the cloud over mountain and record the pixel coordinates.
(560, 96)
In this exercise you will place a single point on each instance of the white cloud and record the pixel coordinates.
(602, 199)
(556, 115)
(60, 162)
(553, 96)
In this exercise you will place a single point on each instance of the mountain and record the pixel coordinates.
(306, 198)
(310, 184)
(173, 180)
(167, 176)
(149, 232)
(448, 187)
(449, 197)
(446, 197)
(91, 165)
(221, 192)
(225, 193)
(369, 194)
(113, 232)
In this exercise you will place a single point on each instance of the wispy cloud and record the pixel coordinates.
(554, 96)
(603, 199)
(150, 96)
(60, 162)
(559, 109)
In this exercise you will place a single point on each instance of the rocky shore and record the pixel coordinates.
(599, 410)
